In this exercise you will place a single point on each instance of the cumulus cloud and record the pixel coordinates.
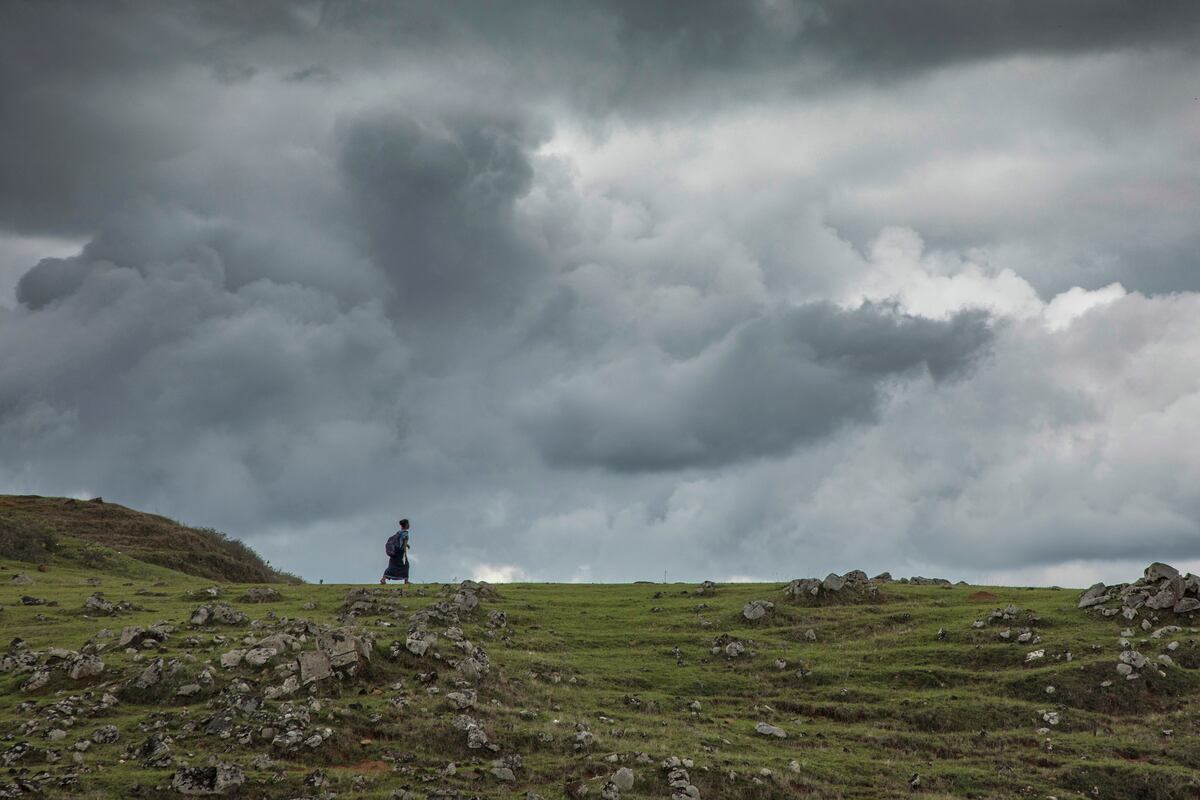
(591, 291)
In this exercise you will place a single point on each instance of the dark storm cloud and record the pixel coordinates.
(77, 135)
(82, 119)
(51, 279)
(559, 278)
(774, 384)
(884, 41)
(436, 198)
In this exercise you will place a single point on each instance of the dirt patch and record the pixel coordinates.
(981, 596)
(369, 766)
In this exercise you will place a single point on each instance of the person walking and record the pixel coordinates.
(397, 553)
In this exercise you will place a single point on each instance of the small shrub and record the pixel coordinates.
(23, 540)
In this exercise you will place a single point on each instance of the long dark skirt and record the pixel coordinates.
(397, 569)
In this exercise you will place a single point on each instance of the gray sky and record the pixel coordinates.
(603, 290)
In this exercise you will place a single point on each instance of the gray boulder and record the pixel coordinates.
(764, 729)
(260, 594)
(1187, 605)
(105, 734)
(85, 666)
(1158, 570)
(755, 610)
(623, 779)
(98, 605)
(215, 780)
(151, 676)
(314, 666)
(419, 642)
(462, 700)
(347, 650)
(1096, 594)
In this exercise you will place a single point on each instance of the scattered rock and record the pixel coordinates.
(314, 666)
(623, 779)
(151, 676)
(755, 610)
(347, 651)
(770, 730)
(36, 681)
(215, 780)
(260, 594)
(232, 658)
(217, 614)
(463, 700)
(106, 734)
(85, 666)
(155, 751)
(419, 642)
(96, 604)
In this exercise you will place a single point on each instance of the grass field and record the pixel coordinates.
(877, 706)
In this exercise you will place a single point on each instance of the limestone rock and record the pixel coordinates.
(755, 610)
(260, 594)
(259, 656)
(419, 642)
(215, 780)
(85, 666)
(770, 730)
(1161, 588)
(347, 651)
(853, 587)
(232, 658)
(96, 604)
(151, 676)
(105, 734)
(462, 700)
(314, 666)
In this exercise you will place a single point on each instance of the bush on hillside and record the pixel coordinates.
(25, 541)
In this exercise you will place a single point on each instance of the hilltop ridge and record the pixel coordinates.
(33, 528)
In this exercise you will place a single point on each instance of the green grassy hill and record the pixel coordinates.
(32, 527)
(570, 683)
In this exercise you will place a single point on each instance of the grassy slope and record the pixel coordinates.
(885, 699)
(146, 537)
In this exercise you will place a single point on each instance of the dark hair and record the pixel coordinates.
(403, 523)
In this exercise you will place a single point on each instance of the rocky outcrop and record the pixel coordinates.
(217, 614)
(1160, 590)
(853, 587)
